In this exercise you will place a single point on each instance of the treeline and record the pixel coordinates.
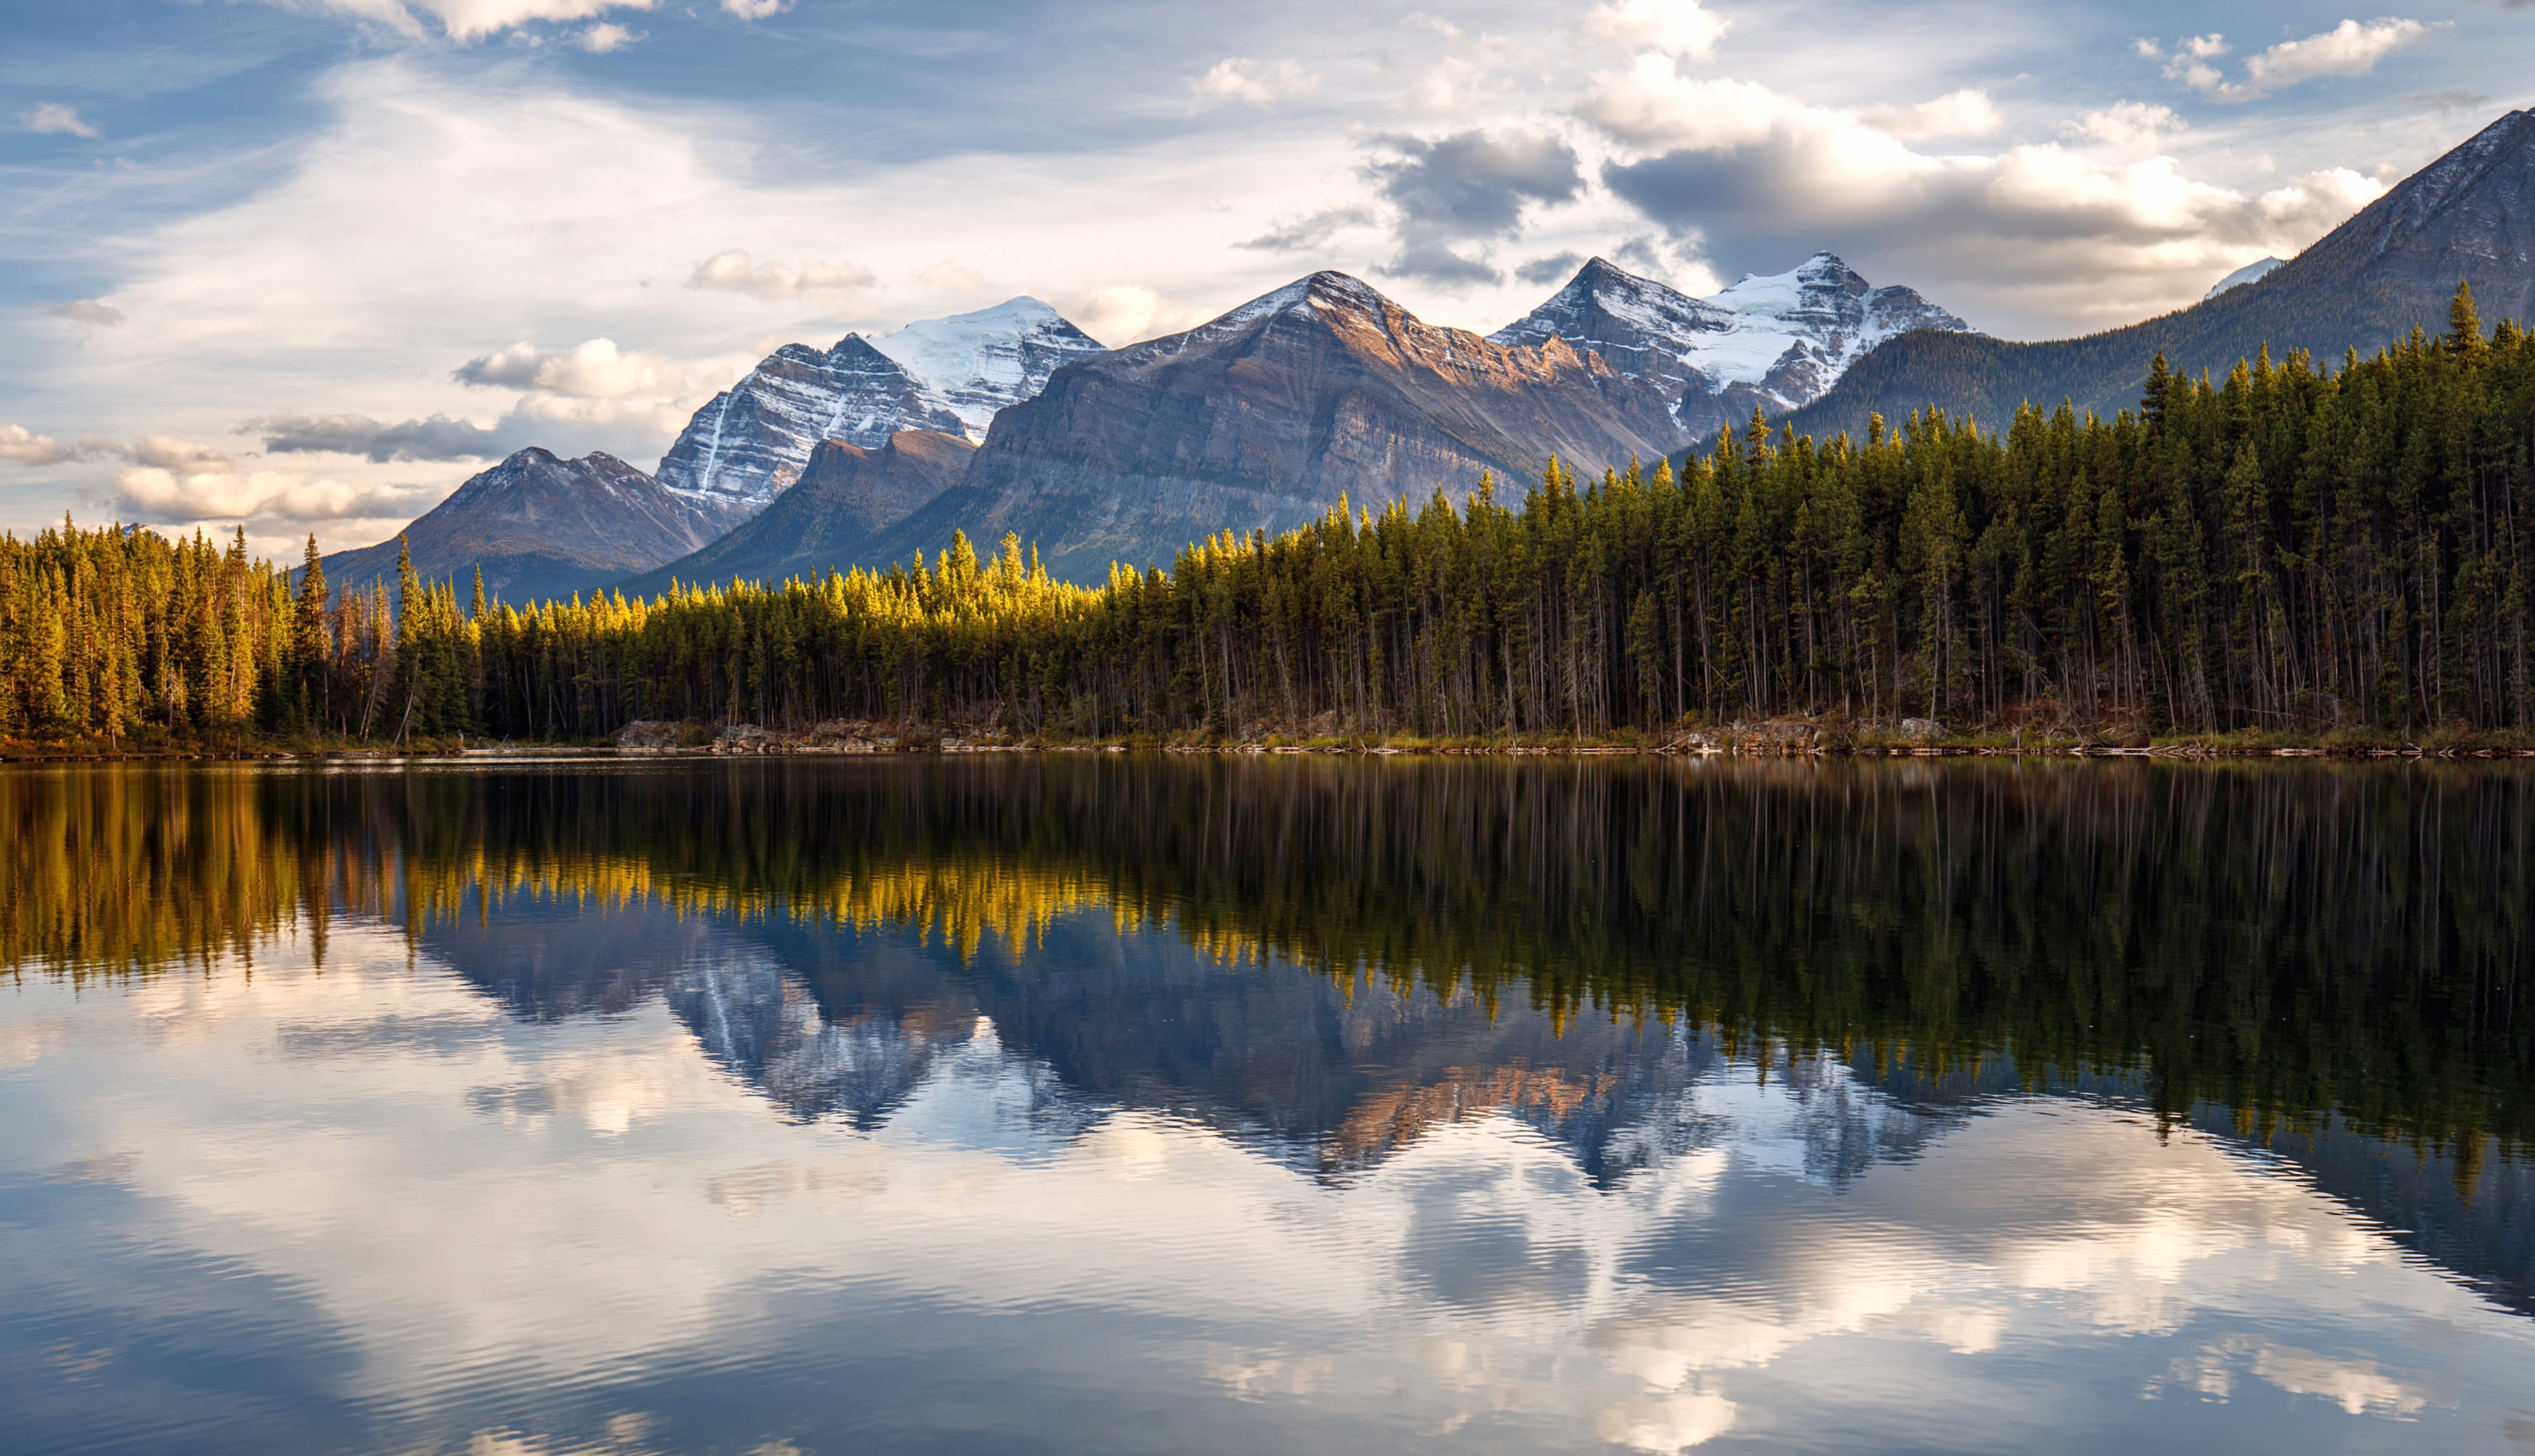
(2291, 549)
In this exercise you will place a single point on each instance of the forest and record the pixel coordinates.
(2296, 549)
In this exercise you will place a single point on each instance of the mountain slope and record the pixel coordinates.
(1266, 416)
(2469, 216)
(846, 498)
(542, 527)
(976, 364)
(1773, 342)
(752, 440)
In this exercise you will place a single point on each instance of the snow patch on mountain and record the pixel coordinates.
(752, 440)
(2243, 276)
(1775, 341)
(947, 374)
(978, 363)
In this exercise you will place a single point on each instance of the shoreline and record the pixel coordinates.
(587, 753)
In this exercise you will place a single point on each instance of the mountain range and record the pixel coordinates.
(540, 527)
(1014, 419)
(1772, 342)
(2469, 216)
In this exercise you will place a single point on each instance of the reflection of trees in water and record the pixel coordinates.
(2282, 938)
(1596, 948)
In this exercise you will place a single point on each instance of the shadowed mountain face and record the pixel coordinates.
(2469, 216)
(845, 503)
(1268, 415)
(542, 527)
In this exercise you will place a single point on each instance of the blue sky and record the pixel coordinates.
(408, 232)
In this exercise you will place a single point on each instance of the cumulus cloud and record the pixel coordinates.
(1757, 177)
(2131, 126)
(438, 438)
(604, 39)
(211, 490)
(51, 118)
(2351, 49)
(594, 369)
(463, 19)
(756, 9)
(1472, 187)
(1964, 113)
(734, 270)
(166, 480)
(1241, 79)
(1313, 231)
(88, 311)
(1676, 28)
(27, 448)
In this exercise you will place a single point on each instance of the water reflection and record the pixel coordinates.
(1088, 1105)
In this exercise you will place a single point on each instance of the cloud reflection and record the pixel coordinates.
(522, 1232)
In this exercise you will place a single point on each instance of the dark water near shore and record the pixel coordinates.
(1100, 1104)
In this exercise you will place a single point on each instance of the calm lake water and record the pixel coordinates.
(1103, 1104)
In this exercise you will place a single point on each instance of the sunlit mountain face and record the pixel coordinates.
(1110, 1103)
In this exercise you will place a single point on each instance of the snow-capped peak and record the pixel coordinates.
(1778, 338)
(2243, 276)
(978, 363)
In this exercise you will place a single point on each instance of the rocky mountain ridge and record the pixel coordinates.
(1268, 416)
(1773, 342)
(540, 527)
(847, 498)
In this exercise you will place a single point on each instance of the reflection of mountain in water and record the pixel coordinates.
(2473, 1216)
(1328, 1078)
(1329, 960)
(1331, 1079)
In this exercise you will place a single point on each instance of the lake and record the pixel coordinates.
(1105, 1103)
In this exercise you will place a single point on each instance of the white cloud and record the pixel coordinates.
(2347, 49)
(1127, 313)
(592, 370)
(603, 38)
(756, 9)
(734, 270)
(1241, 79)
(1967, 112)
(2032, 231)
(443, 209)
(51, 118)
(1676, 28)
(463, 19)
(2131, 126)
(2351, 49)
(27, 448)
(225, 493)
(171, 481)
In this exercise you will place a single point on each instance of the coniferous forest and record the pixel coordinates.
(2294, 549)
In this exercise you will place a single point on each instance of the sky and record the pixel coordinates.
(304, 265)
